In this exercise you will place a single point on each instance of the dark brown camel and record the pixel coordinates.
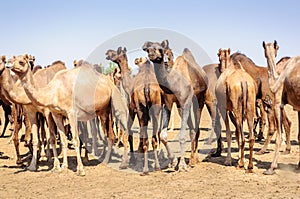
(147, 101)
(236, 93)
(286, 88)
(176, 82)
(260, 76)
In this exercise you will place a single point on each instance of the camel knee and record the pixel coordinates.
(163, 135)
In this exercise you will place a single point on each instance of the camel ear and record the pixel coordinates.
(26, 56)
(3, 58)
(264, 44)
(146, 45)
(75, 62)
(119, 50)
(276, 45)
(165, 44)
(228, 51)
(125, 50)
(219, 53)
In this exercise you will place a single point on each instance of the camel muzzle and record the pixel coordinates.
(9, 65)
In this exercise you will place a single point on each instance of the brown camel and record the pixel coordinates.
(147, 101)
(260, 75)
(184, 83)
(286, 88)
(15, 93)
(64, 101)
(236, 92)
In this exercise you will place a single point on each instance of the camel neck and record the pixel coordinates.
(123, 64)
(34, 94)
(11, 91)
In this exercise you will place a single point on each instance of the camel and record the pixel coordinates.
(260, 75)
(147, 101)
(14, 92)
(236, 92)
(286, 90)
(185, 83)
(124, 82)
(63, 101)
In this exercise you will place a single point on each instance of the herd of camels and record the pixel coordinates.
(55, 101)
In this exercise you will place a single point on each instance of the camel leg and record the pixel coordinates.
(94, 136)
(130, 136)
(7, 113)
(216, 126)
(155, 112)
(64, 142)
(287, 128)
(41, 126)
(144, 118)
(182, 139)
(27, 137)
(194, 131)
(250, 119)
(73, 123)
(271, 131)
(241, 142)
(278, 114)
(163, 135)
(228, 161)
(52, 141)
(15, 138)
(35, 141)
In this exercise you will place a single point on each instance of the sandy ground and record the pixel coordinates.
(209, 179)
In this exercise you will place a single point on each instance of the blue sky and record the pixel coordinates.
(68, 30)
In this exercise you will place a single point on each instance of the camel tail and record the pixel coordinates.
(119, 107)
(244, 86)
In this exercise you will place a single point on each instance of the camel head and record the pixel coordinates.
(2, 63)
(271, 54)
(116, 56)
(19, 64)
(156, 50)
(142, 61)
(224, 58)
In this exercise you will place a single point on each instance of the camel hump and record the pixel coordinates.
(189, 58)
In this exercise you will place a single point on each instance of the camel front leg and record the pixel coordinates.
(278, 114)
(64, 142)
(35, 141)
(52, 141)
(73, 123)
(299, 138)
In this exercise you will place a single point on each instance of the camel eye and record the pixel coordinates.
(21, 62)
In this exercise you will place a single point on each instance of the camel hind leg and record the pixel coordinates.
(155, 113)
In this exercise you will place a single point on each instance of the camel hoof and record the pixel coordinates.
(56, 170)
(286, 152)
(228, 163)
(249, 171)
(261, 152)
(145, 173)
(19, 162)
(31, 168)
(123, 166)
(183, 169)
(216, 154)
(269, 172)
(81, 172)
(157, 169)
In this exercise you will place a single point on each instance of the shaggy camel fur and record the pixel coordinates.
(235, 92)
(147, 101)
(60, 97)
(286, 88)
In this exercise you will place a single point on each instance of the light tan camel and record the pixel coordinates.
(236, 92)
(66, 95)
(286, 88)
(147, 101)
(15, 93)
